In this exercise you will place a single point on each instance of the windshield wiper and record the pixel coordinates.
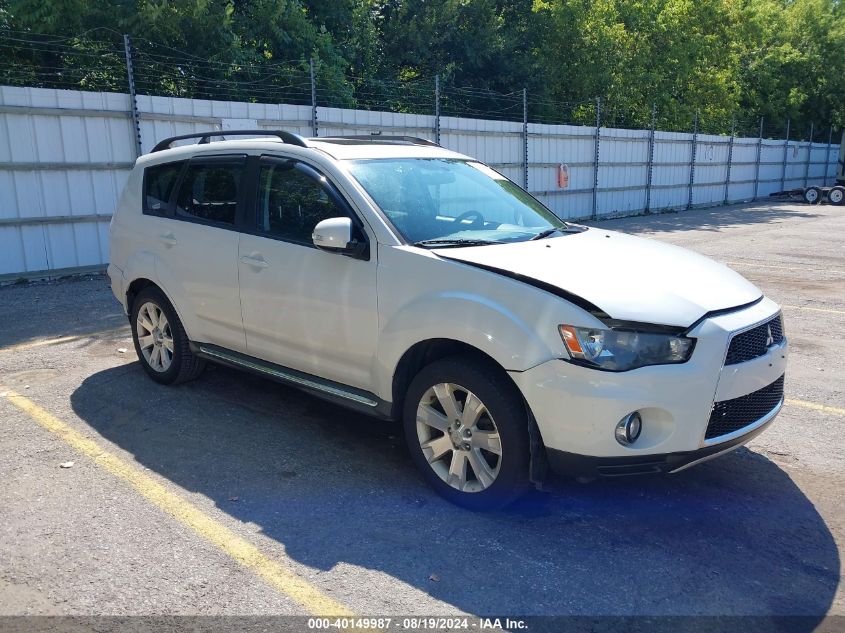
(446, 242)
(545, 233)
(566, 228)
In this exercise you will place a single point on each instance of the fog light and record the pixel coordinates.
(629, 428)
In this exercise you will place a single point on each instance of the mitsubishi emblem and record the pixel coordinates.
(770, 340)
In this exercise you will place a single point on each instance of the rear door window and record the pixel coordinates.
(210, 191)
(159, 182)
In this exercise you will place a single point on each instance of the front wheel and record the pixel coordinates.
(836, 195)
(467, 429)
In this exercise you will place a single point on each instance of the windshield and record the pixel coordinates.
(446, 201)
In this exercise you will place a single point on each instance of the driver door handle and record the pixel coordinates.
(257, 262)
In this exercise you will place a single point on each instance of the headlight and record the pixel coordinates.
(617, 350)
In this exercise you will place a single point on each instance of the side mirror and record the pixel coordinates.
(335, 235)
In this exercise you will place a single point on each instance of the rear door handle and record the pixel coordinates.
(257, 262)
(168, 239)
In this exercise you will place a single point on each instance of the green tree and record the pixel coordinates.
(717, 59)
(792, 61)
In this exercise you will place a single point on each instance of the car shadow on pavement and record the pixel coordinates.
(734, 536)
(717, 219)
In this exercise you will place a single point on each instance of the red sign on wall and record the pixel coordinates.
(562, 176)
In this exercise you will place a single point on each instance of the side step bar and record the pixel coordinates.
(338, 393)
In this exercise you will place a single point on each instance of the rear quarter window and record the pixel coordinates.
(159, 182)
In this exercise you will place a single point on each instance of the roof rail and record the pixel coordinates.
(286, 137)
(376, 137)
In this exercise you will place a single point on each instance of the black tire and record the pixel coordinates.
(184, 365)
(506, 407)
(812, 195)
(836, 196)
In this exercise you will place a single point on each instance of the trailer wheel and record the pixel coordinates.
(836, 195)
(812, 195)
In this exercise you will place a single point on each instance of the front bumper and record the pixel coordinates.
(577, 408)
(569, 464)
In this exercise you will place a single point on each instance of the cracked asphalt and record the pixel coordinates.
(332, 497)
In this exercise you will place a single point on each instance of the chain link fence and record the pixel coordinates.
(97, 61)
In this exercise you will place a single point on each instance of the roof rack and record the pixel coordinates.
(376, 137)
(286, 137)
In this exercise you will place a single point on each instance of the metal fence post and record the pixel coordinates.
(692, 162)
(437, 109)
(827, 158)
(785, 155)
(730, 160)
(525, 138)
(650, 172)
(314, 129)
(757, 168)
(596, 158)
(133, 101)
(809, 154)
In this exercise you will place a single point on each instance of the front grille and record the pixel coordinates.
(731, 415)
(752, 343)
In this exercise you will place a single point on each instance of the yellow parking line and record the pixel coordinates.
(828, 310)
(816, 407)
(61, 339)
(284, 580)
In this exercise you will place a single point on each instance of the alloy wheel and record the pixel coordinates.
(155, 337)
(458, 437)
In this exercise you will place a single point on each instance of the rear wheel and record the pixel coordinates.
(836, 195)
(812, 195)
(160, 340)
(467, 429)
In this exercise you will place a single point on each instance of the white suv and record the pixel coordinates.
(399, 278)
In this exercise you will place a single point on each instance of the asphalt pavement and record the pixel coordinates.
(235, 495)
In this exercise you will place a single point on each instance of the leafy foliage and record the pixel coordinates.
(726, 62)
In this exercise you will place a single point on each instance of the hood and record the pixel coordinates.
(629, 278)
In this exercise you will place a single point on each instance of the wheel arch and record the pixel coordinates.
(141, 283)
(135, 287)
(425, 352)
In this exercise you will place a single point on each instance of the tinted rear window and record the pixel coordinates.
(209, 191)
